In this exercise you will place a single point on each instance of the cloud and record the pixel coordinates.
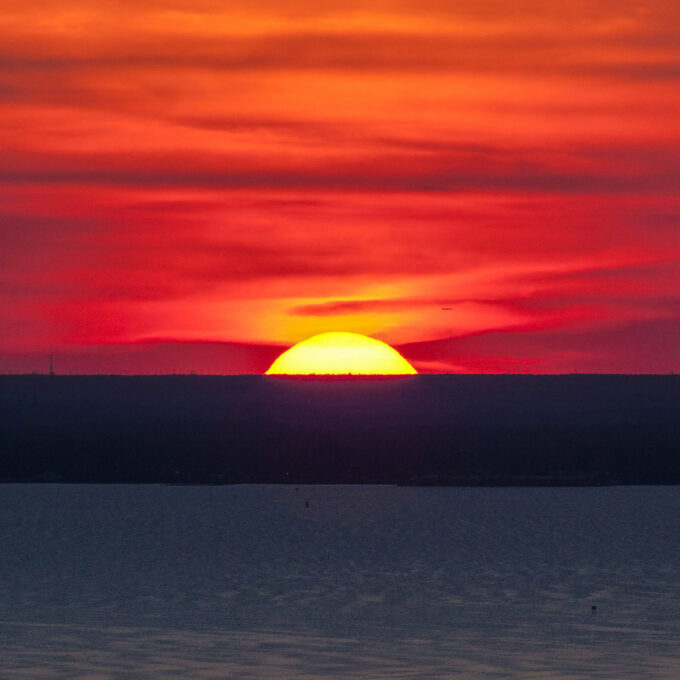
(639, 170)
(628, 347)
(610, 46)
(260, 172)
(347, 307)
(160, 356)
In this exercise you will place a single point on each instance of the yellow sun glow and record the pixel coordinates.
(341, 354)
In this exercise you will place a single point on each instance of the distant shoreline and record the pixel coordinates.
(427, 430)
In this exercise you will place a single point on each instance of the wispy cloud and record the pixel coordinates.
(270, 170)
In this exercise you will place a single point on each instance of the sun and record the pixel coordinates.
(341, 354)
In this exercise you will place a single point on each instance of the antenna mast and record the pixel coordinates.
(51, 364)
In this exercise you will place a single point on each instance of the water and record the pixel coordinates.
(367, 582)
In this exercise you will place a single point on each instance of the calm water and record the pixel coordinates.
(366, 582)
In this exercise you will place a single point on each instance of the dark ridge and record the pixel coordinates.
(437, 429)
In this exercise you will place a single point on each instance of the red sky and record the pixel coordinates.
(195, 186)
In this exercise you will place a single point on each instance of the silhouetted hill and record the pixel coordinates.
(509, 429)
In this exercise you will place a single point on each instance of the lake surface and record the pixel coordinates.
(367, 582)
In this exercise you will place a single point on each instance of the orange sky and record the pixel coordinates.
(244, 175)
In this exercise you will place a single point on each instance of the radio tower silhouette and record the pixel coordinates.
(51, 364)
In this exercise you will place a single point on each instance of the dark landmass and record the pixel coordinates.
(429, 430)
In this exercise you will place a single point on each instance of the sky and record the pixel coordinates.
(489, 186)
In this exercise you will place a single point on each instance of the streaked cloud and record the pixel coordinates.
(252, 174)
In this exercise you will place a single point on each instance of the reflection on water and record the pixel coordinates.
(338, 582)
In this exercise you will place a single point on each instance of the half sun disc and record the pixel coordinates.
(341, 354)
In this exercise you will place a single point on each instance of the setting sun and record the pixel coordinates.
(341, 354)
